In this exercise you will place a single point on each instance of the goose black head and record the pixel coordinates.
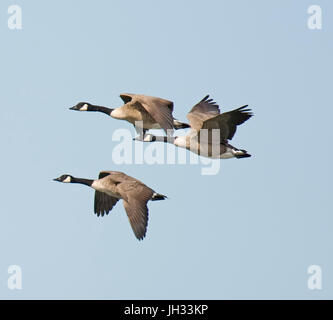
(81, 106)
(147, 138)
(65, 178)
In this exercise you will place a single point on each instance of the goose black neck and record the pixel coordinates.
(87, 182)
(100, 109)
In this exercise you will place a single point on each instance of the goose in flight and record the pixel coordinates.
(144, 112)
(112, 186)
(210, 131)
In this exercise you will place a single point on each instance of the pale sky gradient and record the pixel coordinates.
(250, 231)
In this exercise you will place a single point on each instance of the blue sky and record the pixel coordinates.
(251, 231)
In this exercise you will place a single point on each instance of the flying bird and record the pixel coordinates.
(111, 186)
(210, 131)
(144, 112)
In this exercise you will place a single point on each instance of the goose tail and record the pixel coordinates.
(158, 196)
(241, 154)
(180, 125)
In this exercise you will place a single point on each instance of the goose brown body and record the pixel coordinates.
(155, 113)
(112, 186)
(210, 131)
(144, 112)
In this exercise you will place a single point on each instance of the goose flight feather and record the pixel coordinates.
(159, 109)
(112, 186)
(206, 115)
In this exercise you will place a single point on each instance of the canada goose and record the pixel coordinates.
(146, 111)
(206, 115)
(112, 186)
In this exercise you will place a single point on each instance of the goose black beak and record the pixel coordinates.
(56, 179)
(73, 108)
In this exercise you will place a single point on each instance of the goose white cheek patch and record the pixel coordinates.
(67, 180)
(84, 107)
